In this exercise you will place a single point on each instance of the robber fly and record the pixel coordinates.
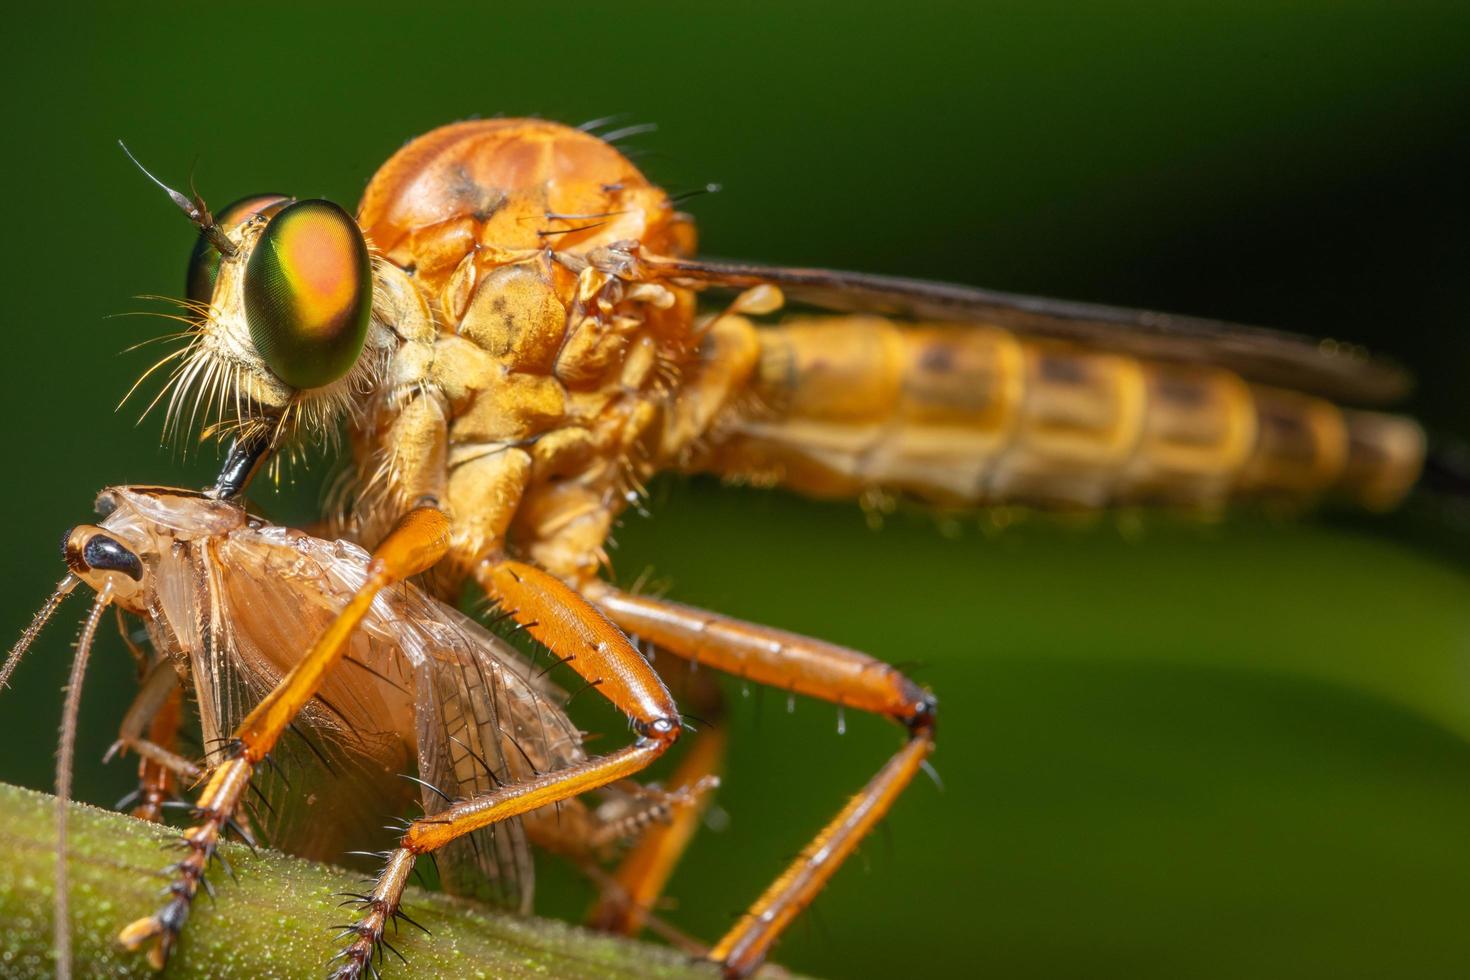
(510, 330)
(426, 707)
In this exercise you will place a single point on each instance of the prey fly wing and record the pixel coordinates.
(423, 691)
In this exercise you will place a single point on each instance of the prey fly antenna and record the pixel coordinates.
(65, 752)
(38, 622)
(195, 209)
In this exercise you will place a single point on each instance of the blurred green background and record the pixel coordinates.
(1167, 750)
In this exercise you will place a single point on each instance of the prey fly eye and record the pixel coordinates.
(204, 260)
(308, 294)
(91, 552)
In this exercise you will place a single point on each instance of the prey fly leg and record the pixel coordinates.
(149, 730)
(416, 544)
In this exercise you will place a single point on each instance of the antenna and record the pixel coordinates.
(195, 209)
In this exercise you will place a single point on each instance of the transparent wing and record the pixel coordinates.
(484, 720)
(422, 688)
(1341, 372)
(334, 778)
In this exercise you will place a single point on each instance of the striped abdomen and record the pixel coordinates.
(977, 415)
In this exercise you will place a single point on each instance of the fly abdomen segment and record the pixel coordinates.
(978, 415)
(1385, 458)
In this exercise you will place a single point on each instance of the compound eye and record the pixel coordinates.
(96, 557)
(204, 260)
(308, 294)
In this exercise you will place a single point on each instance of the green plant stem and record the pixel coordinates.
(273, 922)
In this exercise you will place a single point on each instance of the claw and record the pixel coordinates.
(141, 931)
(400, 914)
(229, 869)
(383, 943)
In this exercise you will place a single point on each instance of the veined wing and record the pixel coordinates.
(422, 688)
(334, 776)
(485, 719)
(1341, 372)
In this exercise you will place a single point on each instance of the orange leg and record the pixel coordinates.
(635, 887)
(419, 540)
(807, 666)
(573, 630)
(630, 894)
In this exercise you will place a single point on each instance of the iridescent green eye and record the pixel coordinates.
(308, 294)
(204, 260)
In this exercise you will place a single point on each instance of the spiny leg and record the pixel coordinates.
(806, 666)
(629, 895)
(160, 770)
(576, 632)
(148, 730)
(419, 540)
